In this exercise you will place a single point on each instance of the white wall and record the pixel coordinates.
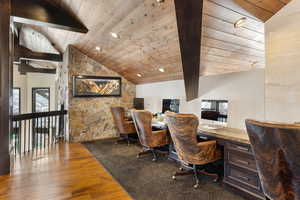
(244, 91)
(34, 80)
(19, 81)
(282, 64)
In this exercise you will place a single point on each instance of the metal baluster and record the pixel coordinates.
(33, 136)
(44, 132)
(25, 126)
(55, 135)
(64, 128)
(52, 129)
(47, 131)
(20, 138)
(29, 133)
(36, 134)
(10, 140)
(15, 137)
(40, 135)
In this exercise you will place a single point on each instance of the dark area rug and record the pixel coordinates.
(147, 180)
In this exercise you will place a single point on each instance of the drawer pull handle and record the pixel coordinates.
(243, 162)
(243, 148)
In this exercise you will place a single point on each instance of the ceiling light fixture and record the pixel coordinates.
(160, 1)
(115, 35)
(161, 69)
(98, 48)
(139, 75)
(241, 22)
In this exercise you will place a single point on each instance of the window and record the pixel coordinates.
(40, 100)
(16, 101)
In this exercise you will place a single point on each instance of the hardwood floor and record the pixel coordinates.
(68, 172)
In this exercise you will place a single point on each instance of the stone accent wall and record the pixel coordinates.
(62, 88)
(90, 118)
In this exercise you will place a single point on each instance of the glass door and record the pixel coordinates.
(40, 100)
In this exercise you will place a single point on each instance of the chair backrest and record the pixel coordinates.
(118, 114)
(183, 130)
(276, 149)
(143, 123)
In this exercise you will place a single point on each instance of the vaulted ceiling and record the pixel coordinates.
(148, 37)
(262, 9)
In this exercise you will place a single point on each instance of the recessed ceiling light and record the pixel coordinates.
(115, 35)
(241, 22)
(139, 75)
(98, 48)
(160, 1)
(161, 69)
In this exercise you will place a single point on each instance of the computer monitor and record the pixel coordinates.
(138, 103)
(214, 110)
(170, 105)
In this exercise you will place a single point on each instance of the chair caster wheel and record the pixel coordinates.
(216, 180)
(174, 177)
(196, 186)
(181, 169)
(154, 160)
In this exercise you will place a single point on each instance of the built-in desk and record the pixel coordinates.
(240, 171)
(231, 134)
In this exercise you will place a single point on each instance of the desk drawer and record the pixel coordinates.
(243, 178)
(235, 147)
(242, 160)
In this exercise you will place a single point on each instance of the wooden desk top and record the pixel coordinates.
(233, 134)
(226, 133)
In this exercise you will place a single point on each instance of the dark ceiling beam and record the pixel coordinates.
(189, 23)
(42, 13)
(25, 68)
(23, 53)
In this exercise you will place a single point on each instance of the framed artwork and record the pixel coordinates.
(97, 86)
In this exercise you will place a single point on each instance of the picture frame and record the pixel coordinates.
(97, 86)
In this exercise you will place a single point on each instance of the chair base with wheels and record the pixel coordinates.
(196, 170)
(153, 151)
(152, 140)
(127, 138)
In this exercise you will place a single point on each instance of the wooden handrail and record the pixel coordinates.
(37, 115)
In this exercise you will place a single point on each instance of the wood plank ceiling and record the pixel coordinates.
(148, 37)
(262, 9)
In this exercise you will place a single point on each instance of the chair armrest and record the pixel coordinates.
(160, 132)
(208, 146)
(128, 122)
(160, 138)
(129, 127)
(208, 152)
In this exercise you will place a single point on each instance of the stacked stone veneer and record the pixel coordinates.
(90, 118)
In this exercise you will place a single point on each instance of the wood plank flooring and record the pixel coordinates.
(68, 172)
